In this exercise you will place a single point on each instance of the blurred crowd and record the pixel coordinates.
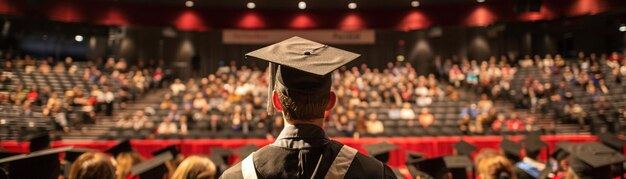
(105, 86)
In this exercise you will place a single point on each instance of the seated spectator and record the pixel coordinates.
(574, 112)
(407, 112)
(425, 118)
(177, 87)
(167, 127)
(484, 105)
(174, 114)
(373, 125)
(105, 100)
(125, 122)
(18, 95)
(166, 103)
(183, 125)
(451, 93)
(195, 167)
(93, 165)
(345, 126)
(469, 110)
(514, 124)
(526, 62)
(59, 68)
(500, 125)
(44, 68)
(141, 121)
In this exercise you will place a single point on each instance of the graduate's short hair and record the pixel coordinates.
(303, 106)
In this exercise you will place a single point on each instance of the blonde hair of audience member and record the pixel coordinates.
(195, 167)
(93, 165)
(125, 161)
(494, 167)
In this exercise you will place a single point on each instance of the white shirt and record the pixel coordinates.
(105, 97)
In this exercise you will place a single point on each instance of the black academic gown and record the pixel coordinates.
(296, 152)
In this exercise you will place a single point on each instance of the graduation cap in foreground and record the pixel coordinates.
(511, 150)
(301, 66)
(429, 168)
(73, 153)
(464, 148)
(380, 150)
(612, 141)
(533, 145)
(414, 156)
(458, 166)
(560, 151)
(219, 156)
(123, 146)
(39, 142)
(173, 149)
(593, 160)
(246, 150)
(153, 168)
(39, 164)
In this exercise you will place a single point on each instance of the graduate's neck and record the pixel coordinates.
(317, 122)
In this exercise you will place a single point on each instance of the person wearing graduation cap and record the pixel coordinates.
(92, 165)
(381, 152)
(177, 157)
(511, 150)
(530, 167)
(197, 167)
(299, 70)
(126, 157)
(41, 164)
(592, 160)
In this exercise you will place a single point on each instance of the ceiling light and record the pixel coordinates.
(251, 5)
(480, 1)
(302, 5)
(352, 5)
(622, 28)
(415, 3)
(78, 38)
(189, 3)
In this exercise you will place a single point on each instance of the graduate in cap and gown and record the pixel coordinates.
(300, 72)
(530, 167)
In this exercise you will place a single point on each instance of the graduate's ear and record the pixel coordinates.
(332, 101)
(276, 102)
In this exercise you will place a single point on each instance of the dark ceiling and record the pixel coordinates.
(311, 4)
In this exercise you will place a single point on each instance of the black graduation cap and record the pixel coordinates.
(533, 144)
(433, 167)
(464, 148)
(612, 141)
(301, 66)
(458, 165)
(511, 149)
(5, 154)
(173, 149)
(39, 164)
(153, 168)
(380, 150)
(411, 155)
(246, 150)
(593, 160)
(560, 151)
(219, 156)
(72, 154)
(39, 142)
(123, 146)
